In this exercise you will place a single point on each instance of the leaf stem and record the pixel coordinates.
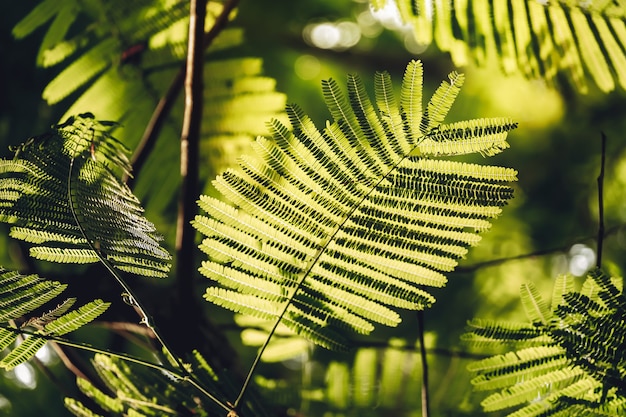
(146, 319)
(425, 392)
(601, 204)
(189, 148)
(89, 348)
(184, 376)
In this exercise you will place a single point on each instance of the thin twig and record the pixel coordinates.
(179, 374)
(153, 129)
(601, 204)
(89, 348)
(425, 397)
(134, 300)
(541, 252)
(184, 298)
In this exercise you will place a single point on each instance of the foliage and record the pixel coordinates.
(333, 227)
(315, 234)
(570, 355)
(122, 73)
(25, 328)
(135, 390)
(89, 213)
(538, 39)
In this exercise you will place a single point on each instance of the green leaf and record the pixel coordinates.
(335, 229)
(21, 298)
(536, 309)
(537, 39)
(76, 318)
(578, 366)
(62, 192)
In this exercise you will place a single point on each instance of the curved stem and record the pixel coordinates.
(132, 299)
(181, 376)
(146, 319)
(89, 348)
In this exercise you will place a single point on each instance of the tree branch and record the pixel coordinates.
(541, 252)
(189, 148)
(206, 338)
(165, 104)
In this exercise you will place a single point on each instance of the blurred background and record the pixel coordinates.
(549, 229)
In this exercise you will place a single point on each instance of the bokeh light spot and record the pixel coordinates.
(581, 259)
(370, 27)
(307, 67)
(325, 35)
(332, 35)
(24, 376)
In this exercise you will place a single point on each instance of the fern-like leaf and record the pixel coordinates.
(578, 369)
(537, 39)
(334, 229)
(63, 194)
(536, 309)
(143, 391)
(21, 299)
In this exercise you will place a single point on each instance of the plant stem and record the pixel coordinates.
(136, 302)
(153, 129)
(165, 104)
(304, 275)
(189, 148)
(184, 298)
(183, 376)
(89, 348)
(425, 396)
(601, 204)
(541, 252)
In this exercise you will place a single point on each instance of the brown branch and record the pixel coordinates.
(190, 145)
(206, 338)
(153, 129)
(165, 104)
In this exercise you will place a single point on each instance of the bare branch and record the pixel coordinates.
(164, 107)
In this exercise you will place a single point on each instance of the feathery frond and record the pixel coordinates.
(333, 229)
(62, 193)
(121, 71)
(579, 366)
(536, 38)
(135, 390)
(22, 298)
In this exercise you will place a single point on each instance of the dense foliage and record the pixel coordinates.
(168, 123)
